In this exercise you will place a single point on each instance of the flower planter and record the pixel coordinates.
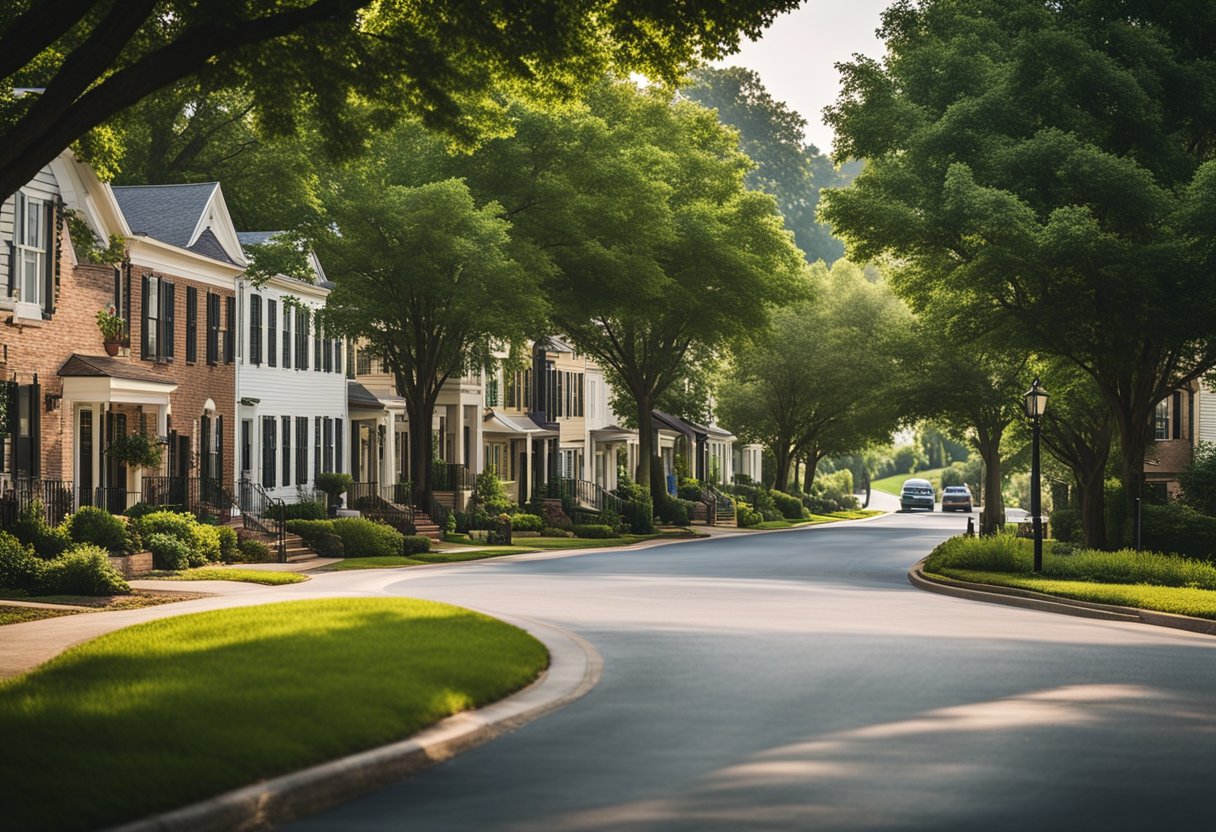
(131, 565)
(112, 347)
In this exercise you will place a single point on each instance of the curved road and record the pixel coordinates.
(796, 680)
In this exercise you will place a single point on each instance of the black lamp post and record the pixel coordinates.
(1036, 403)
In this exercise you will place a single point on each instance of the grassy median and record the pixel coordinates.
(166, 713)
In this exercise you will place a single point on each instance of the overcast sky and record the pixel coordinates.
(796, 57)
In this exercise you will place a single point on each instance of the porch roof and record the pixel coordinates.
(98, 378)
(675, 423)
(612, 433)
(496, 422)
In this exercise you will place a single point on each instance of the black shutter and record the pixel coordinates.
(12, 263)
(219, 450)
(255, 329)
(230, 332)
(143, 316)
(52, 260)
(213, 326)
(36, 429)
(168, 318)
(191, 324)
(272, 335)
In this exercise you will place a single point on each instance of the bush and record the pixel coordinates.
(594, 532)
(1066, 525)
(1198, 479)
(412, 544)
(309, 529)
(229, 551)
(490, 495)
(690, 489)
(19, 569)
(953, 475)
(327, 545)
(553, 531)
(745, 515)
(32, 529)
(673, 511)
(303, 510)
(526, 522)
(1180, 529)
(791, 507)
(254, 551)
(82, 570)
(141, 508)
(555, 517)
(333, 484)
(174, 523)
(168, 552)
(908, 458)
(90, 524)
(365, 538)
(205, 546)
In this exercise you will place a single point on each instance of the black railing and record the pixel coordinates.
(57, 497)
(384, 503)
(438, 513)
(203, 496)
(115, 499)
(584, 494)
(264, 514)
(721, 507)
(451, 476)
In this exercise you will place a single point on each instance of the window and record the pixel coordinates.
(213, 328)
(32, 247)
(157, 318)
(1161, 420)
(230, 332)
(286, 439)
(328, 346)
(286, 337)
(246, 447)
(191, 324)
(316, 349)
(269, 442)
(579, 401)
(491, 391)
(363, 362)
(272, 334)
(301, 450)
(255, 329)
(301, 339)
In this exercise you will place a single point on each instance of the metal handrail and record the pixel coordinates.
(382, 502)
(57, 497)
(262, 513)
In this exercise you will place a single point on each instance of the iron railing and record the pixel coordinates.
(57, 497)
(387, 503)
(451, 476)
(721, 507)
(264, 514)
(583, 493)
(438, 512)
(202, 496)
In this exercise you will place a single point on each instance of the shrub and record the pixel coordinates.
(527, 523)
(303, 510)
(909, 458)
(174, 523)
(82, 570)
(1198, 479)
(412, 544)
(254, 551)
(1180, 529)
(333, 484)
(229, 551)
(365, 538)
(90, 524)
(639, 515)
(674, 511)
(19, 569)
(953, 475)
(594, 531)
(327, 545)
(489, 493)
(553, 531)
(141, 508)
(745, 515)
(1066, 524)
(690, 489)
(309, 529)
(32, 529)
(555, 517)
(449, 523)
(168, 551)
(205, 545)
(791, 507)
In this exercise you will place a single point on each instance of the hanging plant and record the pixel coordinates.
(135, 449)
(113, 327)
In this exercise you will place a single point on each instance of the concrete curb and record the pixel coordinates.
(574, 669)
(1027, 599)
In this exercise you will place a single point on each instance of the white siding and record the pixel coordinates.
(42, 186)
(1205, 406)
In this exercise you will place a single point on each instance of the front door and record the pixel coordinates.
(85, 475)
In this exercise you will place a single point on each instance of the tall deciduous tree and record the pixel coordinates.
(425, 277)
(771, 135)
(1050, 164)
(353, 63)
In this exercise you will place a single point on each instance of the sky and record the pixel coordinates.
(796, 56)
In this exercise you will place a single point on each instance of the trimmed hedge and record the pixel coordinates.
(791, 507)
(90, 524)
(1066, 525)
(594, 531)
(168, 551)
(1175, 527)
(303, 510)
(359, 537)
(254, 551)
(413, 544)
(83, 570)
(32, 529)
(19, 569)
(527, 522)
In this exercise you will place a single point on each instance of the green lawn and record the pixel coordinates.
(166, 713)
(249, 576)
(892, 485)
(10, 614)
(818, 519)
(1179, 600)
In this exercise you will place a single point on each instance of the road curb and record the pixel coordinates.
(574, 669)
(1028, 599)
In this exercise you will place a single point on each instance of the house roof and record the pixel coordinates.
(497, 422)
(359, 396)
(102, 366)
(255, 238)
(612, 433)
(170, 213)
(677, 424)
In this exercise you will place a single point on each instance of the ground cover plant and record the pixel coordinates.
(10, 614)
(136, 599)
(147, 747)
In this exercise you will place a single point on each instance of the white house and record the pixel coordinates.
(291, 384)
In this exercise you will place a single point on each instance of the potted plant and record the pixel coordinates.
(135, 449)
(113, 330)
(334, 485)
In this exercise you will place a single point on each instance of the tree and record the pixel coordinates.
(1049, 164)
(353, 64)
(819, 381)
(633, 207)
(425, 277)
(771, 135)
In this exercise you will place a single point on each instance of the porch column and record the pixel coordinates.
(458, 435)
(390, 454)
(477, 439)
(588, 456)
(529, 474)
(99, 420)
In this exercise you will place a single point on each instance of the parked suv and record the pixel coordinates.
(917, 493)
(956, 497)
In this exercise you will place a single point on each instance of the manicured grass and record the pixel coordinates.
(818, 519)
(382, 562)
(248, 576)
(136, 599)
(17, 615)
(169, 712)
(892, 485)
(1178, 600)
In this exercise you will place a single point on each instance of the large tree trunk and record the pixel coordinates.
(782, 457)
(1093, 509)
(421, 449)
(1133, 441)
(992, 516)
(812, 465)
(650, 468)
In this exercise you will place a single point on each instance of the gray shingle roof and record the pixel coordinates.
(209, 245)
(168, 213)
(102, 366)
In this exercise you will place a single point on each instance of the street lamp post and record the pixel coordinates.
(1036, 403)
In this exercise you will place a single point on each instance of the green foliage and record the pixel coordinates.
(201, 541)
(594, 531)
(412, 544)
(1066, 525)
(745, 515)
(302, 510)
(1178, 528)
(954, 475)
(309, 529)
(168, 551)
(327, 545)
(908, 459)
(19, 568)
(673, 511)
(791, 507)
(88, 247)
(254, 551)
(554, 531)
(526, 522)
(334, 484)
(489, 493)
(449, 523)
(90, 524)
(365, 538)
(32, 529)
(690, 488)
(137, 449)
(229, 544)
(111, 325)
(1198, 479)
(82, 570)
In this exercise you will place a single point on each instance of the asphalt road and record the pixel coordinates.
(797, 681)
